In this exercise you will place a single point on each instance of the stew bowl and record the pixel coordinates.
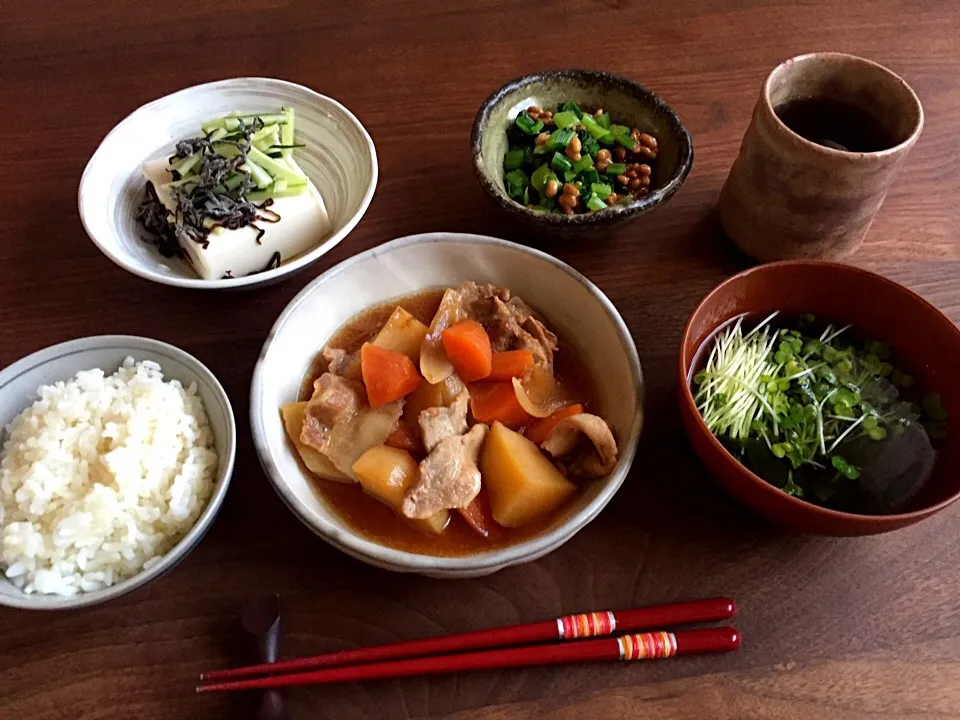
(570, 302)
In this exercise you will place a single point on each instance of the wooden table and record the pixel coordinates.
(834, 628)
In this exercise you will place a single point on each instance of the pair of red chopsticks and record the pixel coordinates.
(450, 653)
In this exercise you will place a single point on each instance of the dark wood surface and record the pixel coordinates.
(834, 628)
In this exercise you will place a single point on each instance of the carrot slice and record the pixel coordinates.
(510, 364)
(497, 401)
(387, 375)
(405, 438)
(468, 348)
(538, 430)
(478, 515)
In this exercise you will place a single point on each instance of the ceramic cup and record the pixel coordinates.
(788, 197)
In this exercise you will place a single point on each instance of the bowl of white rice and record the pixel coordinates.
(115, 455)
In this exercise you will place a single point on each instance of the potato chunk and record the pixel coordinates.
(521, 482)
(316, 462)
(402, 333)
(387, 473)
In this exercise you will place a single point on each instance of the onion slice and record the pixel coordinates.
(539, 394)
(434, 364)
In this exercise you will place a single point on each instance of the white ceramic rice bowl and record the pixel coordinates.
(339, 158)
(572, 304)
(18, 389)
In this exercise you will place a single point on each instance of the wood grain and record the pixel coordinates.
(862, 628)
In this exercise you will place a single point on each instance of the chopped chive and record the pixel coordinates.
(616, 169)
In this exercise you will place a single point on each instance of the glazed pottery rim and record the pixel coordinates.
(608, 215)
(287, 268)
(848, 155)
(355, 544)
(686, 368)
(38, 602)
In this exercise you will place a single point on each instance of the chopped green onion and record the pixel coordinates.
(616, 169)
(514, 159)
(565, 119)
(588, 144)
(593, 128)
(571, 106)
(589, 177)
(560, 163)
(560, 138)
(569, 176)
(604, 121)
(619, 129)
(527, 124)
(540, 177)
(627, 141)
(584, 163)
(517, 182)
(595, 203)
(602, 190)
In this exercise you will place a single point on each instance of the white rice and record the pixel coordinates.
(100, 477)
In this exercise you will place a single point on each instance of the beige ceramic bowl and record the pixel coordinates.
(18, 388)
(339, 158)
(570, 303)
(628, 103)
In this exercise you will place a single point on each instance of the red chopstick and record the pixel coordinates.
(570, 627)
(645, 646)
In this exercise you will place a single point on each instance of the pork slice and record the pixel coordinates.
(449, 477)
(339, 422)
(595, 461)
(335, 400)
(439, 423)
(512, 326)
(338, 360)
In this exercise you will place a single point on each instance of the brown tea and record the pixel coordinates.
(834, 124)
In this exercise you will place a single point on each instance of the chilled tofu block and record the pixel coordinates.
(234, 253)
(521, 482)
(387, 473)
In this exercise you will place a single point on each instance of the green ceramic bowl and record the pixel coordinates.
(627, 102)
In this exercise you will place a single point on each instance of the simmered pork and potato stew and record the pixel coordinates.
(450, 422)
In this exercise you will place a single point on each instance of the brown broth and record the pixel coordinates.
(834, 124)
(377, 521)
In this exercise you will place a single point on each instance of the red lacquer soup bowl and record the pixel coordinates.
(922, 338)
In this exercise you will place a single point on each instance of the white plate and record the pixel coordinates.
(581, 313)
(339, 158)
(18, 389)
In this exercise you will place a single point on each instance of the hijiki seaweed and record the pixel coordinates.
(215, 197)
